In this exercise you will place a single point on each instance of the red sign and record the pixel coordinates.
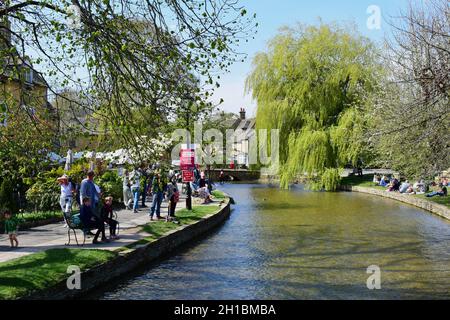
(188, 176)
(187, 159)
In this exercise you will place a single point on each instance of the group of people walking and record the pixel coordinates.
(135, 185)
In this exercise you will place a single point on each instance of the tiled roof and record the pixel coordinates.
(244, 128)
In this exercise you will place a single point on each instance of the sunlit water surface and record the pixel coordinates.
(304, 245)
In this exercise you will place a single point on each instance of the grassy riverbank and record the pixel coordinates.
(42, 270)
(185, 217)
(366, 181)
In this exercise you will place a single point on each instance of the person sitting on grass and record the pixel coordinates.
(419, 187)
(376, 179)
(204, 194)
(442, 192)
(11, 227)
(384, 181)
(394, 185)
(90, 221)
(410, 190)
(203, 190)
(107, 216)
(404, 187)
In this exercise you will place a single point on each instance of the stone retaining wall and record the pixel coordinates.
(435, 208)
(133, 258)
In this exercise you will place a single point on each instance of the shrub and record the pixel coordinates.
(8, 201)
(44, 195)
(78, 171)
(111, 185)
(39, 216)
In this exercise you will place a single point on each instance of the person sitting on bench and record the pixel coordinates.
(90, 221)
(107, 216)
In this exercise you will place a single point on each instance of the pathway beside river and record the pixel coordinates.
(54, 235)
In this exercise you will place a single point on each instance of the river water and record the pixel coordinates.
(304, 245)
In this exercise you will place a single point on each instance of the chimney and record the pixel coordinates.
(242, 114)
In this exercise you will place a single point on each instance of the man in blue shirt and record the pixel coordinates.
(88, 190)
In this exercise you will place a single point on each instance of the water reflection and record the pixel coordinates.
(305, 245)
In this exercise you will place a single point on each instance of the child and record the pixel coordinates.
(11, 227)
(107, 216)
(174, 196)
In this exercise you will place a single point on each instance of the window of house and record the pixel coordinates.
(28, 75)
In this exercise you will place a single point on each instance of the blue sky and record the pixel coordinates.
(273, 14)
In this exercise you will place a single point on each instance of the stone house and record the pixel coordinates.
(244, 131)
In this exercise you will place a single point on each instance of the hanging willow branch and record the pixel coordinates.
(312, 84)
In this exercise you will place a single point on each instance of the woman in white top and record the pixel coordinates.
(65, 199)
(127, 196)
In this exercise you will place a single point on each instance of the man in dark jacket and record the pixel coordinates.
(90, 221)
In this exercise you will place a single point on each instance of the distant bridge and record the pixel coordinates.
(235, 174)
(249, 175)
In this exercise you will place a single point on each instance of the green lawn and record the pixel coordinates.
(159, 228)
(445, 201)
(42, 270)
(219, 194)
(366, 181)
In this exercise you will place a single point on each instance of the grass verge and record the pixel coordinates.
(159, 228)
(219, 194)
(366, 181)
(21, 276)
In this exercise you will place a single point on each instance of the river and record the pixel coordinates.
(297, 244)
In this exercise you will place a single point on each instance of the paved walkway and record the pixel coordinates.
(55, 235)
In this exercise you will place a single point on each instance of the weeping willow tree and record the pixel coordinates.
(312, 84)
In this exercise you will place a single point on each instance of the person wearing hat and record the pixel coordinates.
(67, 190)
